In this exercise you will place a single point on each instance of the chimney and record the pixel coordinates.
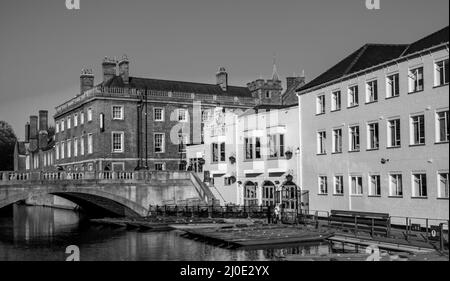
(124, 69)
(109, 68)
(27, 132)
(86, 80)
(222, 79)
(43, 120)
(43, 128)
(294, 81)
(33, 127)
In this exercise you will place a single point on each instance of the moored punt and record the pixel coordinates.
(252, 236)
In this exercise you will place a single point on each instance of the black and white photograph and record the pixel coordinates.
(254, 133)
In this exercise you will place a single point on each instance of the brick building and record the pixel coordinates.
(105, 125)
(37, 150)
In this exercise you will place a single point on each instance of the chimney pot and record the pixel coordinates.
(222, 78)
(124, 69)
(109, 66)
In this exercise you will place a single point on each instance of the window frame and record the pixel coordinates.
(336, 100)
(415, 76)
(394, 138)
(323, 185)
(353, 95)
(418, 191)
(438, 125)
(437, 77)
(162, 114)
(341, 185)
(122, 113)
(122, 141)
(395, 87)
(439, 181)
(374, 191)
(162, 145)
(351, 139)
(419, 128)
(359, 181)
(372, 143)
(320, 104)
(369, 92)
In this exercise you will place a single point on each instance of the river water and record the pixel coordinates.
(42, 234)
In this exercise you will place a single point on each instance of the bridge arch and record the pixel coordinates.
(91, 200)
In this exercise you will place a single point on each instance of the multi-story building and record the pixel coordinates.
(129, 122)
(250, 157)
(374, 131)
(37, 151)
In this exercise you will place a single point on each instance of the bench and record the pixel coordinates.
(373, 223)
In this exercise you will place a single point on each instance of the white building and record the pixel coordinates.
(375, 131)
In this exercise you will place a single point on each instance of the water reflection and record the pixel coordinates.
(38, 233)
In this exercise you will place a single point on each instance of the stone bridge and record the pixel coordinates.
(115, 193)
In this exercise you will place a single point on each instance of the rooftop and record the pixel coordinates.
(177, 86)
(371, 55)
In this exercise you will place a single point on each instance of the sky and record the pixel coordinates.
(44, 46)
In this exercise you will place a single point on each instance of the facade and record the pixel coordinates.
(127, 123)
(250, 157)
(374, 131)
(105, 126)
(37, 151)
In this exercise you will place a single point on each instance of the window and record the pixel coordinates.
(63, 122)
(372, 91)
(276, 146)
(395, 185)
(75, 147)
(441, 73)
(394, 133)
(215, 152)
(248, 148)
(182, 115)
(75, 120)
(419, 185)
(182, 166)
(443, 185)
(117, 142)
(320, 104)
(158, 114)
(159, 143)
(69, 122)
(89, 114)
(338, 185)
(321, 142)
(69, 148)
(117, 112)
(183, 141)
(356, 185)
(90, 144)
(222, 152)
(323, 188)
(337, 141)
(205, 116)
(336, 101)
(82, 118)
(268, 95)
(63, 144)
(375, 185)
(354, 138)
(353, 99)
(373, 133)
(418, 130)
(57, 127)
(442, 126)
(416, 80)
(393, 85)
(57, 151)
(257, 148)
(82, 145)
(159, 167)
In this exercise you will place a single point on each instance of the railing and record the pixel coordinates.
(211, 211)
(137, 93)
(7, 178)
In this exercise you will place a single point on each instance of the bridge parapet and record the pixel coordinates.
(8, 178)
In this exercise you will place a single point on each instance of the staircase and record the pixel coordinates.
(205, 193)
